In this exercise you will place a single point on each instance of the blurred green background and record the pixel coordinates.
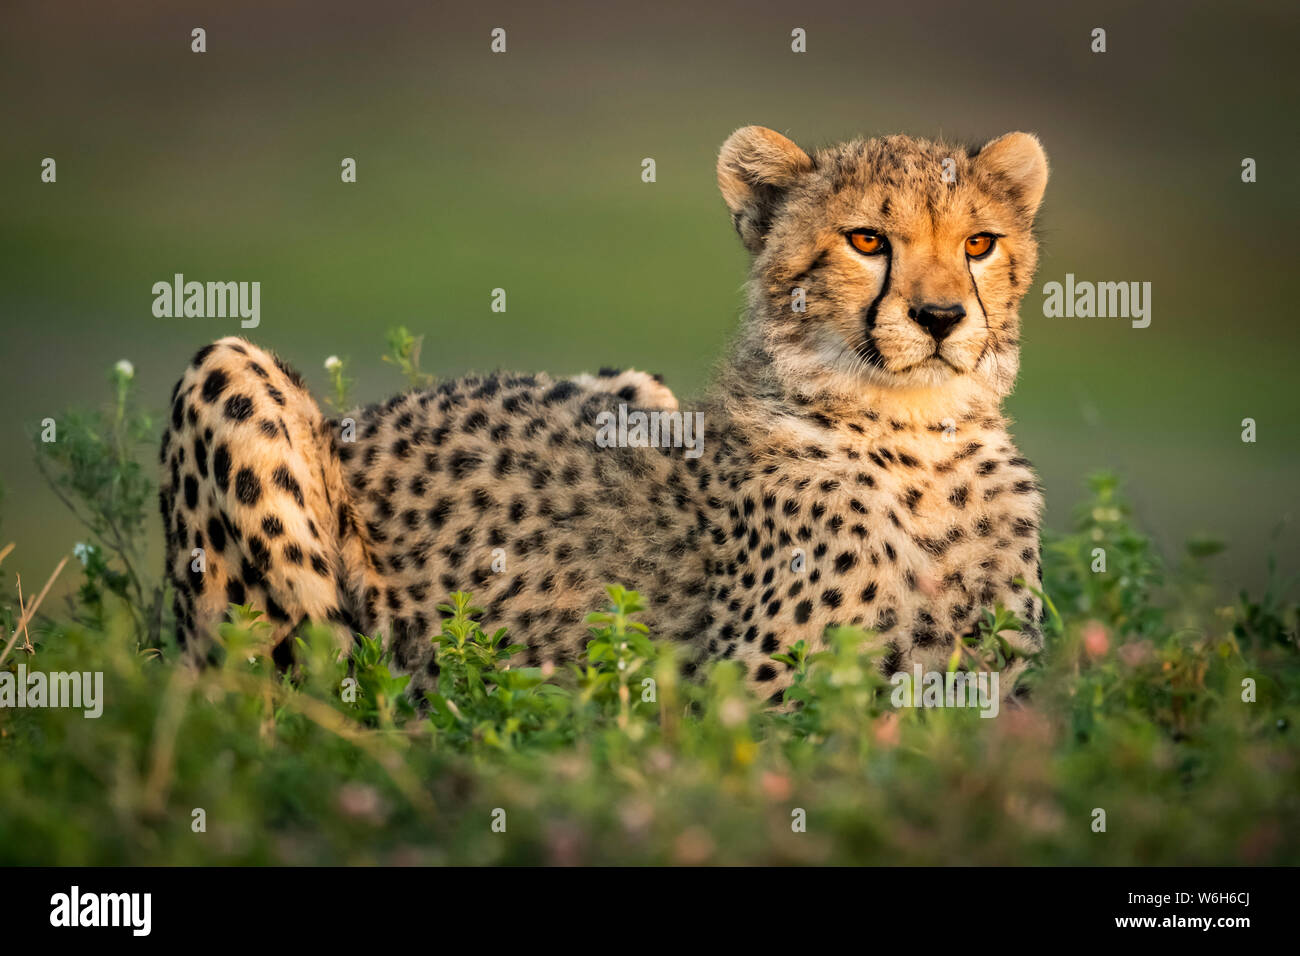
(522, 171)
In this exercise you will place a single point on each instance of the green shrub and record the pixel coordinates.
(1137, 708)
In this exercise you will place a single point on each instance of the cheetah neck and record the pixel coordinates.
(753, 394)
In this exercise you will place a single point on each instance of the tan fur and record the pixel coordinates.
(830, 433)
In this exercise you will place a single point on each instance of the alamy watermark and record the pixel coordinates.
(208, 300)
(977, 690)
(131, 910)
(638, 429)
(1102, 300)
(82, 690)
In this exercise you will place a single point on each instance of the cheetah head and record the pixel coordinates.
(888, 263)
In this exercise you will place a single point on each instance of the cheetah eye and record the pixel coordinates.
(980, 245)
(868, 242)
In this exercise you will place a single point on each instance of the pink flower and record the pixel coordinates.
(1095, 641)
(885, 729)
(693, 847)
(361, 802)
(775, 785)
(1135, 653)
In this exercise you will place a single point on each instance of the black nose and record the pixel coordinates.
(938, 320)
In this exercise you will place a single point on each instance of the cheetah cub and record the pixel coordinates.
(856, 468)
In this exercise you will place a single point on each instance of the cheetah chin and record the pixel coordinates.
(858, 469)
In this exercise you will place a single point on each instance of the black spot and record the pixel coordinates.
(439, 513)
(504, 464)
(802, 611)
(239, 408)
(214, 385)
(559, 393)
(288, 483)
(195, 579)
(272, 527)
(191, 492)
(201, 456)
(247, 488)
(282, 653)
(217, 536)
(462, 463)
(259, 552)
(290, 373)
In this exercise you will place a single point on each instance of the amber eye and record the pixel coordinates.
(868, 242)
(977, 247)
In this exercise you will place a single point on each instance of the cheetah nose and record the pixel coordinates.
(938, 320)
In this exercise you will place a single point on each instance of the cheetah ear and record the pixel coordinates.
(1018, 160)
(755, 166)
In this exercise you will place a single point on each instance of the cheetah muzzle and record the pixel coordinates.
(856, 470)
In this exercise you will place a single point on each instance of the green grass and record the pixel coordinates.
(1136, 708)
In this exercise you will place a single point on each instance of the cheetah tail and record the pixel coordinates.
(254, 503)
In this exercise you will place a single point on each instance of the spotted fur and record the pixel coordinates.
(856, 469)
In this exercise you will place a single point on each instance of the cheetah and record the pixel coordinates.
(856, 468)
